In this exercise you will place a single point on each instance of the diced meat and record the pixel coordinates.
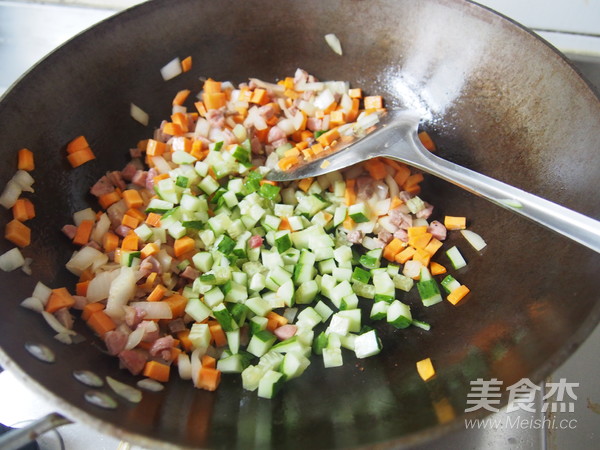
(129, 171)
(139, 178)
(64, 317)
(314, 124)
(159, 135)
(102, 187)
(93, 244)
(122, 230)
(401, 234)
(80, 302)
(275, 134)
(151, 331)
(285, 331)
(116, 212)
(267, 111)
(163, 343)
(364, 187)
(400, 219)
(256, 146)
(115, 341)
(355, 236)
(150, 178)
(176, 325)
(437, 230)
(385, 236)
(116, 179)
(216, 118)
(135, 152)
(190, 273)
(425, 212)
(133, 317)
(255, 241)
(133, 360)
(69, 230)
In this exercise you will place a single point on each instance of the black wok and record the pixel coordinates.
(495, 98)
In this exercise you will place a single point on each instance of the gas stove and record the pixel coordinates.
(50, 25)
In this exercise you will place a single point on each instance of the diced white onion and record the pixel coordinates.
(346, 103)
(11, 260)
(287, 126)
(56, 325)
(26, 267)
(184, 366)
(134, 338)
(366, 121)
(124, 390)
(99, 286)
(150, 385)
(240, 132)
(324, 99)
(24, 180)
(275, 88)
(84, 214)
(33, 303)
(100, 229)
(333, 42)
(64, 338)
(382, 206)
(202, 127)
(171, 69)
(371, 243)
(298, 120)
(42, 292)
(308, 87)
(307, 107)
(196, 365)
(121, 291)
(474, 239)
(11, 194)
(394, 188)
(154, 310)
(139, 114)
(411, 269)
(84, 259)
(386, 223)
(161, 164)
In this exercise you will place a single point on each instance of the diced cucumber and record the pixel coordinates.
(270, 383)
(323, 310)
(232, 364)
(456, 258)
(225, 318)
(354, 316)
(398, 314)
(200, 337)
(379, 310)
(449, 283)
(294, 364)
(332, 357)
(214, 297)
(258, 306)
(233, 341)
(371, 259)
(306, 292)
(197, 310)
(367, 344)
(309, 317)
(359, 212)
(261, 342)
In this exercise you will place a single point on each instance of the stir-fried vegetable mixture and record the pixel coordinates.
(194, 263)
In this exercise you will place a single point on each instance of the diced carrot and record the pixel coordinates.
(458, 294)
(350, 193)
(185, 341)
(130, 242)
(337, 118)
(211, 86)
(18, 233)
(208, 361)
(355, 93)
(353, 113)
(90, 309)
(376, 169)
(425, 369)
(415, 231)
(317, 148)
(149, 250)
(455, 223)
(262, 135)
(157, 371)
(328, 137)
(413, 190)
(138, 214)
(422, 256)
(59, 298)
(197, 151)
(302, 145)
(348, 223)
(157, 293)
(394, 247)
(201, 108)
(162, 176)
(305, 183)
(23, 210)
(149, 283)
(412, 180)
(405, 255)
(101, 323)
(433, 246)
(290, 93)
(86, 275)
(214, 100)
(181, 97)
(209, 379)
(110, 242)
(373, 102)
(292, 152)
(186, 64)
(81, 288)
(217, 334)
(285, 224)
(84, 230)
(132, 198)
(420, 240)
(436, 268)
(395, 202)
(177, 303)
(172, 129)
(25, 160)
(402, 174)
(80, 157)
(426, 141)
(129, 221)
(260, 96)
(245, 95)
(288, 162)
(288, 82)
(155, 148)
(277, 317)
(183, 245)
(77, 144)
(109, 199)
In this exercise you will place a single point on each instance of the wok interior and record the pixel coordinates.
(496, 100)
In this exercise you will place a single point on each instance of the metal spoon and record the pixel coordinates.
(396, 138)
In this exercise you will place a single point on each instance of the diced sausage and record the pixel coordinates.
(385, 236)
(437, 230)
(285, 331)
(69, 230)
(102, 187)
(129, 171)
(139, 178)
(133, 360)
(255, 241)
(115, 341)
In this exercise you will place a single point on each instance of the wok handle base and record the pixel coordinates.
(17, 438)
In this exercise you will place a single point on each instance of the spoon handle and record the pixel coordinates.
(569, 223)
